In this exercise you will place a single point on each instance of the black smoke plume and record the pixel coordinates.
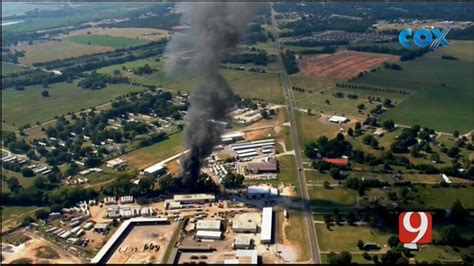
(215, 29)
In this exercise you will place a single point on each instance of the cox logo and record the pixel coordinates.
(424, 38)
(415, 228)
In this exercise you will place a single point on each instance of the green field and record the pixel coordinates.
(15, 211)
(28, 106)
(445, 197)
(445, 254)
(8, 68)
(144, 157)
(106, 41)
(345, 237)
(334, 197)
(445, 107)
(296, 233)
(246, 84)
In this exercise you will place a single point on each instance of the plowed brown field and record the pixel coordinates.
(342, 65)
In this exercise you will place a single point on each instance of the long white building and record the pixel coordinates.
(267, 225)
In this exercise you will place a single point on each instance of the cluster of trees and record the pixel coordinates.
(309, 24)
(289, 61)
(260, 58)
(97, 81)
(143, 70)
(154, 138)
(45, 191)
(31, 77)
(325, 50)
(334, 148)
(371, 88)
(75, 67)
(405, 54)
(313, 43)
(392, 66)
(232, 180)
(449, 57)
(295, 88)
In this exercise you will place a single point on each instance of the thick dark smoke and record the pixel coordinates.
(215, 28)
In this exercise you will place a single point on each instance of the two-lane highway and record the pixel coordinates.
(289, 101)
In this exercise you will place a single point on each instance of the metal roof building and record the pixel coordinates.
(267, 225)
(242, 241)
(208, 225)
(194, 198)
(209, 235)
(244, 226)
(154, 169)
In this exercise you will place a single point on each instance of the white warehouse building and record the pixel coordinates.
(267, 225)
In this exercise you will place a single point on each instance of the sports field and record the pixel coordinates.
(28, 106)
(8, 68)
(443, 90)
(105, 41)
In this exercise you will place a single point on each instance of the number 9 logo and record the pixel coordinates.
(415, 228)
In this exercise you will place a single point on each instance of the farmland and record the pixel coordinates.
(28, 106)
(441, 87)
(342, 65)
(105, 41)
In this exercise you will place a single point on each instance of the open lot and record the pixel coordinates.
(28, 106)
(131, 249)
(442, 90)
(342, 65)
(34, 250)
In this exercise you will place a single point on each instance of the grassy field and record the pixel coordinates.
(334, 197)
(311, 127)
(345, 237)
(131, 65)
(443, 89)
(147, 156)
(296, 233)
(8, 68)
(445, 254)
(15, 211)
(28, 106)
(105, 41)
(54, 50)
(24, 181)
(247, 84)
(445, 197)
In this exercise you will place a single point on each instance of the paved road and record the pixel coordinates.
(289, 101)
